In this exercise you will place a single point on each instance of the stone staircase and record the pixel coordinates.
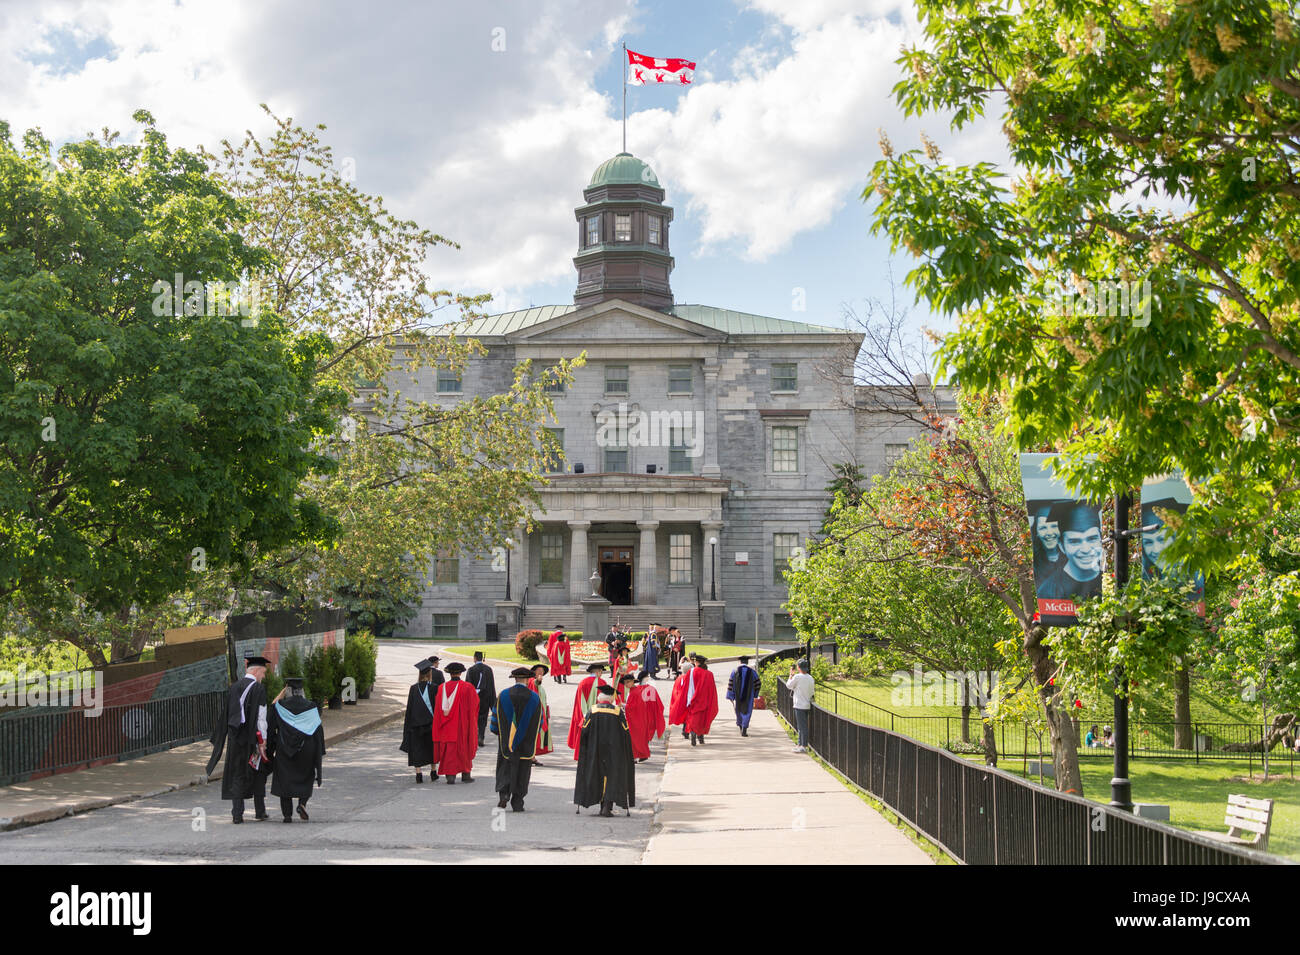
(633, 617)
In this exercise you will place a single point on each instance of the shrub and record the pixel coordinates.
(338, 668)
(273, 682)
(820, 669)
(361, 650)
(318, 676)
(526, 642)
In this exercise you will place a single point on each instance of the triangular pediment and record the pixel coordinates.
(616, 320)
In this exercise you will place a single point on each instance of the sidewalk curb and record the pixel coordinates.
(78, 805)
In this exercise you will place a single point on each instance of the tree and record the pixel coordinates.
(415, 478)
(142, 442)
(863, 587)
(1156, 146)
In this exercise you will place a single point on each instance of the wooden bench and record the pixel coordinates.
(1248, 821)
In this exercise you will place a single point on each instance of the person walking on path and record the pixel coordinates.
(557, 655)
(481, 677)
(241, 732)
(701, 701)
(645, 715)
(417, 729)
(515, 719)
(606, 769)
(295, 748)
(742, 690)
(583, 701)
(455, 726)
(802, 687)
(538, 685)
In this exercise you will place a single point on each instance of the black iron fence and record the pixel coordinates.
(983, 816)
(41, 740)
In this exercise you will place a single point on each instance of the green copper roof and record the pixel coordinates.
(623, 169)
(724, 320)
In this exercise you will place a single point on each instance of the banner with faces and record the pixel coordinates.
(1165, 499)
(1069, 557)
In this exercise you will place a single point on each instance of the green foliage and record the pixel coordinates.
(526, 642)
(319, 681)
(1154, 142)
(1258, 646)
(362, 652)
(339, 668)
(820, 668)
(1145, 630)
(769, 674)
(133, 437)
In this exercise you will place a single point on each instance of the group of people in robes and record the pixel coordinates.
(557, 655)
(441, 727)
(283, 740)
(694, 701)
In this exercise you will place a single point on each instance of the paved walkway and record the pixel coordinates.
(738, 800)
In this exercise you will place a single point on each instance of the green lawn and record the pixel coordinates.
(1197, 793)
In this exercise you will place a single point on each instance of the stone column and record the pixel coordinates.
(711, 529)
(711, 468)
(579, 570)
(518, 564)
(648, 564)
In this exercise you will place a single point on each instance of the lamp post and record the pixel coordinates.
(1121, 789)
(509, 544)
(713, 563)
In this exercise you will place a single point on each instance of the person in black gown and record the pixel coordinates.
(516, 719)
(241, 731)
(417, 730)
(481, 677)
(606, 769)
(295, 748)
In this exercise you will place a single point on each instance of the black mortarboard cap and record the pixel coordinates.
(256, 661)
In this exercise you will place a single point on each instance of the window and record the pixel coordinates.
(785, 450)
(616, 460)
(593, 230)
(652, 230)
(681, 568)
(784, 547)
(623, 227)
(893, 452)
(616, 379)
(785, 376)
(681, 380)
(446, 569)
(551, 568)
(679, 456)
(448, 381)
(782, 629)
(446, 625)
(555, 462)
(554, 387)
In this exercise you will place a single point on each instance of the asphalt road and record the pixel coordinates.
(370, 810)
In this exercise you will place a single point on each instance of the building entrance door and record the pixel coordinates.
(616, 575)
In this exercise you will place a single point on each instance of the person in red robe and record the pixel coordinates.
(455, 726)
(557, 655)
(677, 701)
(537, 684)
(583, 702)
(644, 714)
(701, 695)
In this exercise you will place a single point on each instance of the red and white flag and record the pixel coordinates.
(647, 70)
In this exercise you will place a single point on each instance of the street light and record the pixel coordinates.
(713, 563)
(509, 544)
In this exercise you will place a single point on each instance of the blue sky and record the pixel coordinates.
(764, 158)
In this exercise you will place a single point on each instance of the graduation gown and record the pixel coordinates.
(484, 681)
(651, 664)
(606, 770)
(645, 718)
(742, 690)
(677, 701)
(236, 734)
(558, 656)
(701, 697)
(296, 746)
(516, 719)
(455, 727)
(544, 725)
(417, 730)
(583, 701)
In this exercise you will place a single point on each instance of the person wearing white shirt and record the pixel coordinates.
(801, 685)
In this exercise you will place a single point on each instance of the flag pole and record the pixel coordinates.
(624, 69)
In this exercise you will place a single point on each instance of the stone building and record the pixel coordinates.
(698, 443)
